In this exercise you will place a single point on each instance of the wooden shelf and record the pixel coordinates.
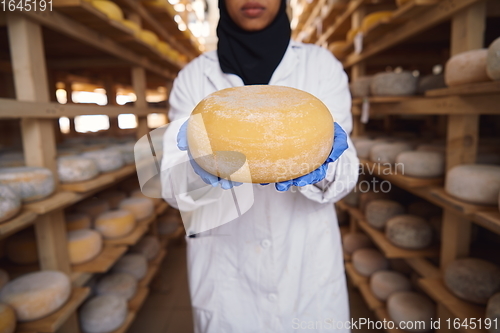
(447, 201)
(79, 279)
(384, 99)
(423, 267)
(161, 208)
(101, 181)
(370, 299)
(54, 321)
(159, 258)
(103, 262)
(153, 268)
(21, 221)
(57, 200)
(356, 278)
(138, 300)
(342, 24)
(128, 321)
(467, 89)
(489, 220)
(134, 236)
(178, 233)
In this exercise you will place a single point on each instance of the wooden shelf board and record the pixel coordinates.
(384, 99)
(342, 24)
(467, 89)
(138, 300)
(161, 208)
(382, 315)
(159, 257)
(370, 299)
(57, 200)
(128, 321)
(356, 278)
(489, 220)
(21, 221)
(153, 268)
(79, 279)
(89, 185)
(423, 267)
(103, 262)
(123, 172)
(178, 233)
(54, 321)
(447, 201)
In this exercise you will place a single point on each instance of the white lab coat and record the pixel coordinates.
(279, 266)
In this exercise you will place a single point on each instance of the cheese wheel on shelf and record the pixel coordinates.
(4, 278)
(420, 164)
(466, 68)
(21, 248)
(132, 26)
(373, 19)
(107, 160)
(83, 245)
(168, 224)
(424, 209)
(409, 232)
(134, 264)
(474, 280)
(72, 169)
(384, 283)
(103, 314)
(139, 194)
(394, 84)
(115, 223)
(408, 306)
(301, 126)
(361, 86)
(475, 183)
(7, 319)
(10, 203)
(378, 212)
(366, 197)
(112, 10)
(36, 295)
(141, 208)
(363, 147)
(368, 261)
(493, 60)
(113, 197)
(77, 221)
(149, 37)
(388, 152)
(92, 207)
(354, 241)
(493, 312)
(148, 246)
(118, 284)
(430, 82)
(30, 183)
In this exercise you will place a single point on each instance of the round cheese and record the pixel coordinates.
(373, 19)
(77, 221)
(103, 314)
(467, 67)
(379, 211)
(141, 208)
(83, 245)
(366, 197)
(492, 312)
(139, 194)
(409, 232)
(410, 308)
(354, 241)
(149, 37)
(394, 84)
(148, 246)
(493, 61)
(107, 159)
(284, 134)
(388, 152)
(115, 223)
(113, 197)
(73, 169)
(384, 283)
(132, 26)
(479, 184)
(118, 284)
(36, 295)
(430, 82)
(109, 8)
(92, 207)
(30, 183)
(361, 86)
(7, 319)
(168, 224)
(473, 280)
(164, 48)
(368, 261)
(363, 147)
(10, 203)
(134, 264)
(420, 164)
(4, 278)
(21, 248)
(423, 209)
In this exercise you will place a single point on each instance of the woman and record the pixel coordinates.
(279, 266)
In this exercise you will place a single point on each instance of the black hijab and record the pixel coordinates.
(252, 55)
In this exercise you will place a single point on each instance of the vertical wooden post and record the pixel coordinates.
(139, 85)
(358, 70)
(110, 88)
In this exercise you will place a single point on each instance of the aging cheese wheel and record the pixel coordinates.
(134, 264)
(354, 241)
(83, 245)
(7, 319)
(139, 194)
(107, 159)
(467, 67)
(148, 246)
(493, 61)
(103, 314)
(4, 278)
(115, 223)
(112, 197)
(388, 152)
(409, 232)
(282, 133)
(73, 169)
(368, 261)
(385, 283)
(118, 284)
(430, 82)
(473, 280)
(420, 164)
(109, 8)
(30, 183)
(372, 19)
(36, 295)
(361, 86)
(92, 207)
(379, 211)
(77, 221)
(149, 37)
(493, 312)
(21, 249)
(479, 184)
(133, 26)
(10, 203)
(423, 209)
(411, 308)
(366, 197)
(394, 84)
(141, 208)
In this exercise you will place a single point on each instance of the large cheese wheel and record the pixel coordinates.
(10, 203)
(379, 211)
(423, 209)
(412, 309)
(103, 314)
(368, 261)
(92, 207)
(363, 147)
(473, 280)
(83, 245)
(409, 232)
(385, 283)
(36, 295)
(430, 82)
(281, 132)
(366, 197)
(394, 84)
(421, 164)
(109, 8)
(372, 19)
(107, 159)
(134, 264)
(149, 37)
(118, 284)
(141, 208)
(467, 67)
(7, 319)
(21, 248)
(113, 198)
(30, 183)
(493, 61)
(77, 221)
(73, 169)
(168, 224)
(361, 86)
(388, 152)
(493, 312)
(115, 223)
(4, 278)
(479, 184)
(354, 241)
(148, 246)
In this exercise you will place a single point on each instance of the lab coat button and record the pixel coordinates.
(272, 297)
(265, 243)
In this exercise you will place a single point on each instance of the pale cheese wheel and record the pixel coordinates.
(141, 208)
(7, 319)
(107, 160)
(83, 245)
(361, 86)
(113, 198)
(92, 207)
(430, 82)
(148, 246)
(115, 223)
(134, 264)
(378, 212)
(394, 84)
(366, 197)
(411, 308)
(139, 194)
(354, 241)
(36, 295)
(72, 169)
(474, 280)
(10, 203)
(466, 68)
(118, 284)
(368, 261)
(168, 224)
(420, 164)
(21, 248)
(409, 232)
(103, 314)
(493, 312)
(479, 184)
(363, 147)
(4, 278)
(30, 183)
(493, 61)
(384, 283)
(149, 37)
(423, 209)
(388, 152)
(77, 221)
(283, 134)
(112, 10)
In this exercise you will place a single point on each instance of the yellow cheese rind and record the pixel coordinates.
(115, 224)
(7, 319)
(373, 18)
(112, 10)
(83, 245)
(133, 26)
(149, 37)
(141, 208)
